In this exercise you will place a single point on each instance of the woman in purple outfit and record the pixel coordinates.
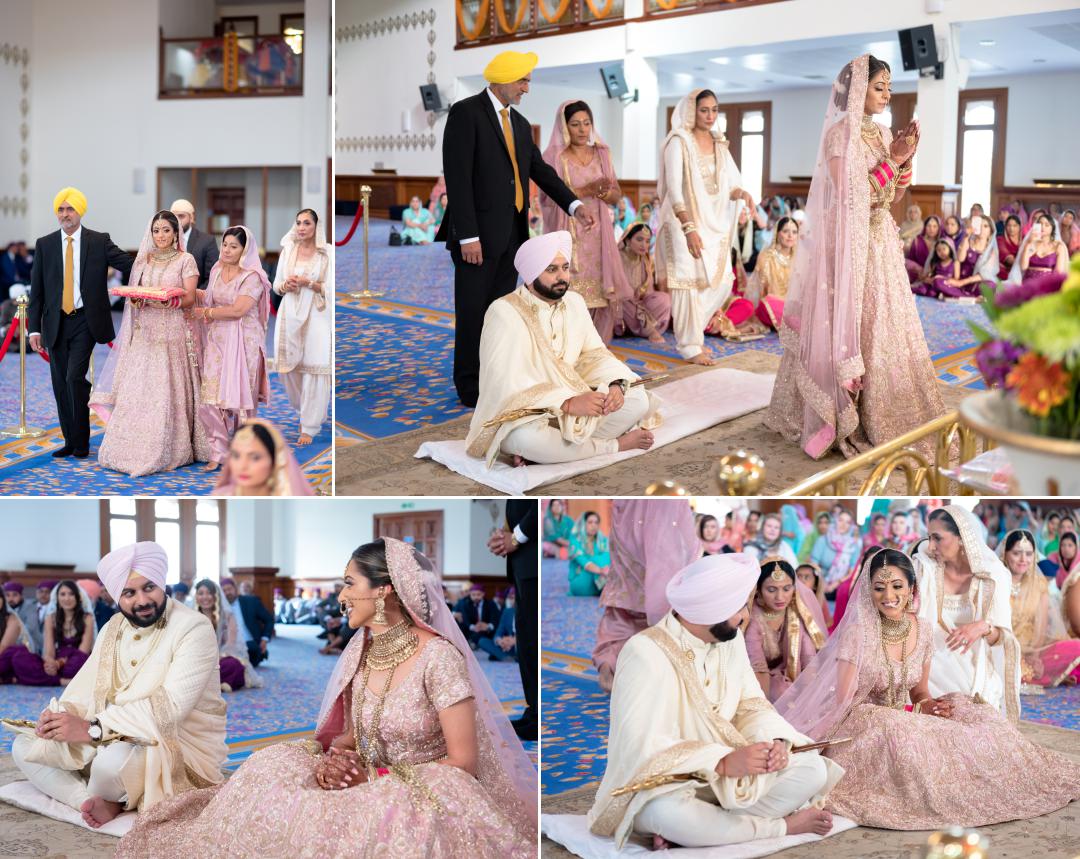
(236, 670)
(68, 631)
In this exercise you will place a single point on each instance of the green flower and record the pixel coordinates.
(1049, 325)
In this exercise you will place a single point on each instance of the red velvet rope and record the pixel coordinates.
(352, 229)
(7, 340)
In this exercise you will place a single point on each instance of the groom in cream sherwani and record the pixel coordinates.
(144, 714)
(697, 757)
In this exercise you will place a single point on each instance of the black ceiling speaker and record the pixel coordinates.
(918, 50)
(429, 94)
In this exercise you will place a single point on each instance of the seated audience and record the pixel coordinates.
(503, 646)
(419, 224)
(590, 558)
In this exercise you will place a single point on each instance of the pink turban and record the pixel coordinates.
(144, 559)
(537, 254)
(713, 588)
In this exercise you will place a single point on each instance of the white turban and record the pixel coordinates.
(143, 559)
(713, 588)
(182, 206)
(535, 255)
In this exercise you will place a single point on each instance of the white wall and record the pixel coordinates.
(50, 531)
(188, 20)
(97, 141)
(16, 33)
(269, 15)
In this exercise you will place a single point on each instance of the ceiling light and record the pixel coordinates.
(720, 61)
(987, 43)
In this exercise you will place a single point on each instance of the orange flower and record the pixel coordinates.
(1039, 385)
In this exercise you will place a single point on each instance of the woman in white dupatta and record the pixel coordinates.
(303, 339)
(964, 590)
(700, 192)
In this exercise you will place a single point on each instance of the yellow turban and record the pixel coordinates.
(510, 66)
(73, 196)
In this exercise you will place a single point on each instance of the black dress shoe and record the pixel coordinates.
(81, 454)
(66, 450)
(469, 400)
(525, 730)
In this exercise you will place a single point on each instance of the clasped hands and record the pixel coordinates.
(339, 769)
(501, 543)
(755, 759)
(936, 707)
(594, 404)
(900, 150)
(63, 727)
(294, 283)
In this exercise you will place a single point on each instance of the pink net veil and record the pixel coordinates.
(105, 377)
(249, 261)
(829, 687)
(503, 768)
(820, 327)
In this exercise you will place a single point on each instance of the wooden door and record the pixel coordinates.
(423, 529)
(231, 202)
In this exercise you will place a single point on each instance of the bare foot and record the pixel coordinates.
(304, 438)
(660, 843)
(520, 461)
(702, 358)
(97, 811)
(64, 681)
(607, 677)
(816, 820)
(640, 439)
(656, 338)
(225, 687)
(212, 466)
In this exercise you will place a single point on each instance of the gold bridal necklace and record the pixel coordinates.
(895, 632)
(386, 652)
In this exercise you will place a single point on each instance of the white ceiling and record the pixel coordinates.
(1024, 44)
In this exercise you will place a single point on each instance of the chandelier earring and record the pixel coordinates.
(380, 610)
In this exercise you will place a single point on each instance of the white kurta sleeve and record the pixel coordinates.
(673, 172)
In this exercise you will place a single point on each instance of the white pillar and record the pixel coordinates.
(639, 118)
(937, 105)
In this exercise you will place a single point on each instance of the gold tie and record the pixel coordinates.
(519, 197)
(69, 278)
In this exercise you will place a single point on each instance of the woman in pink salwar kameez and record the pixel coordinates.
(651, 540)
(234, 308)
(412, 754)
(647, 313)
(583, 162)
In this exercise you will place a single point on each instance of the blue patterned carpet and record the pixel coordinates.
(287, 706)
(27, 469)
(575, 720)
(395, 352)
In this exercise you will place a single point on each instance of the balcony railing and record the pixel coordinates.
(482, 21)
(231, 65)
(657, 8)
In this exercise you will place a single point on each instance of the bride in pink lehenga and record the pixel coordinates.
(412, 754)
(948, 761)
(856, 371)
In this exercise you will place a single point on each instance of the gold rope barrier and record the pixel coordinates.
(22, 430)
(954, 444)
(365, 201)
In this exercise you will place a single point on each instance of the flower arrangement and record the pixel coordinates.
(1033, 351)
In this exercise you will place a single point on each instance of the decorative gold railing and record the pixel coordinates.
(954, 444)
(480, 21)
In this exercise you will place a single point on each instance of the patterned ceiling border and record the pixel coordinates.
(390, 142)
(13, 55)
(381, 27)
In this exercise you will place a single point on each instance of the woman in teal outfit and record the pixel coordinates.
(590, 559)
(419, 224)
(558, 529)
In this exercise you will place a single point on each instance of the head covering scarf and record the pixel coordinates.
(579, 537)
(147, 559)
(768, 548)
(846, 548)
(503, 767)
(932, 258)
(804, 610)
(827, 690)
(106, 377)
(305, 307)
(616, 288)
(510, 66)
(989, 595)
(537, 254)
(912, 227)
(287, 478)
(86, 604)
(714, 588)
(710, 547)
(820, 325)
(74, 197)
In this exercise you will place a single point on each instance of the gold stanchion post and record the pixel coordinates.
(366, 292)
(22, 430)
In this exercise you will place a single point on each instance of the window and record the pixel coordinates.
(292, 28)
(980, 146)
(746, 127)
(192, 532)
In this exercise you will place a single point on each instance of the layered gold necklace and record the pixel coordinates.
(895, 632)
(870, 130)
(386, 652)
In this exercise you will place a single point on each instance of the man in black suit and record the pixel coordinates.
(70, 311)
(197, 243)
(518, 543)
(254, 622)
(478, 616)
(487, 186)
